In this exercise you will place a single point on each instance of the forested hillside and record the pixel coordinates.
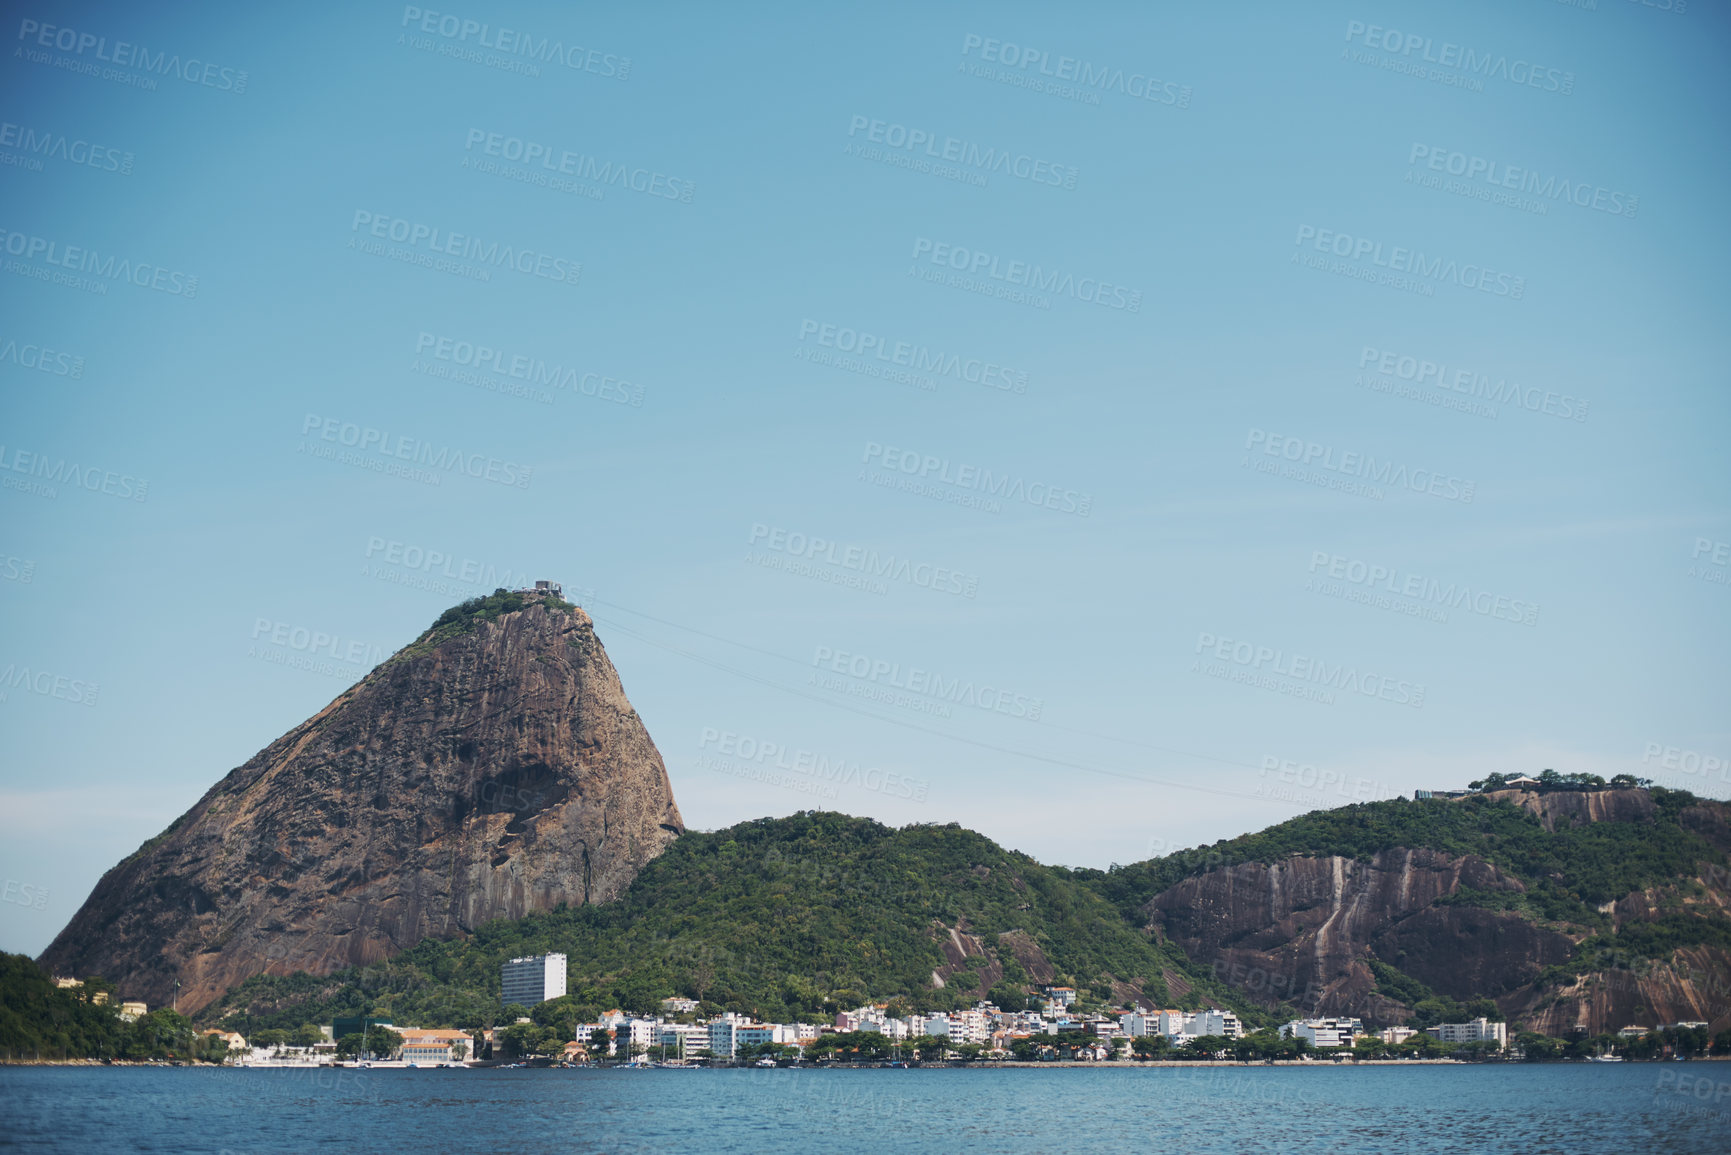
(785, 918)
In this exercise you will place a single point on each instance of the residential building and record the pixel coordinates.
(1337, 1032)
(1477, 1031)
(130, 1011)
(1631, 1032)
(1698, 1026)
(1225, 1024)
(532, 979)
(236, 1043)
(756, 1035)
(683, 1039)
(1171, 1022)
(679, 1006)
(1138, 1024)
(1063, 996)
(724, 1034)
(1394, 1036)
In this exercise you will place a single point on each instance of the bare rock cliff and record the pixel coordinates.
(1301, 930)
(471, 777)
(1306, 929)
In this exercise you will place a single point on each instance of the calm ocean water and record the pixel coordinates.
(1568, 1109)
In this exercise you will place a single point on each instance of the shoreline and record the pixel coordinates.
(989, 1065)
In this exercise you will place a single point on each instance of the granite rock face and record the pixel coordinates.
(1304, 930)
(1301, 930)
(471, 777)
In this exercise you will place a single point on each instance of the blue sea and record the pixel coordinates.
(1569, 1109)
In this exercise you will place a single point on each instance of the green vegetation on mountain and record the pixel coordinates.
(787, 918)
(1428, 1007)
(468, 616)
(39, 1020)
(1568, 872)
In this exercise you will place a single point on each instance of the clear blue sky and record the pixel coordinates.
(1360, 261)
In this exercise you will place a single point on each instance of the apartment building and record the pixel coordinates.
(532, 979)
(1477, 1031)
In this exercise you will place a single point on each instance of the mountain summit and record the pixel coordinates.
(491, 768)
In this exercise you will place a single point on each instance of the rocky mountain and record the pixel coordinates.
(779, 917)
(490, 769)
(1571, 909)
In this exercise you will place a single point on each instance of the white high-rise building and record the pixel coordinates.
(1477, 1031)
(532, 979)
(1337, 1032)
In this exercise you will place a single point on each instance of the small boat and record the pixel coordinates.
(1607, 1058)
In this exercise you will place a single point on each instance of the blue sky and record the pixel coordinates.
(1120, 570)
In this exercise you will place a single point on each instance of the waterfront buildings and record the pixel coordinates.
(430, 1047)
(532, 979)
(1336, 1032)
(1477, 1031)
